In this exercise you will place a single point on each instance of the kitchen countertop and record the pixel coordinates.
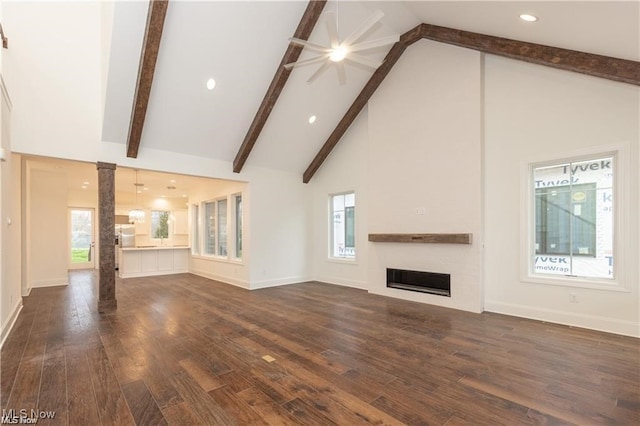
(155, 248)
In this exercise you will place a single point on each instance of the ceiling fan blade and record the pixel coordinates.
(353, 57)
(309, 45)
(309, 61)
(342, 73)
(318, 72)
(363, 28)
(365, 45)
(332, 28)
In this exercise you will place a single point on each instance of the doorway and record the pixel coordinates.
(81, 238)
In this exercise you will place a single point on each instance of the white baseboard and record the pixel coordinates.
(6, 327)
(278, 282)
(49, 283)
(342, 282)
(592, 322)
(221, 278)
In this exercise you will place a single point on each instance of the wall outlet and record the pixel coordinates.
(573, 297)
(421, 210)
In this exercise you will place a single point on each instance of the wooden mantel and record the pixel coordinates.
(421, 238)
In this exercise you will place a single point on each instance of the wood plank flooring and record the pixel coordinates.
(184, 350)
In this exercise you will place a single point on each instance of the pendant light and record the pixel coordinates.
(137, 215)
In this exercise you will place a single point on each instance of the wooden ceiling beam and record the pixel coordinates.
(620, 70)
(146, 70)
(306, 25)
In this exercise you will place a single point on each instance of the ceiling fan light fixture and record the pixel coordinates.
(350, 48)
(338, 54)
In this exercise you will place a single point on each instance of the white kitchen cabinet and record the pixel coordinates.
(149, 261)
(180, 222)
(142, 228)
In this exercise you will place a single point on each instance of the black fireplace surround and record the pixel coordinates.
(423, 282)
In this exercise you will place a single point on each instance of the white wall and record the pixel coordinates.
(47, 204)
(344, 170)
(54, 76)
(10, 244)
(279, 217)
(424, 152)
(535, 113)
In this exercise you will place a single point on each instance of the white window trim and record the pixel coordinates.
(226, 213)
(622, 243)
(167, 240)
(215, 255)
(220, 259)
(347, 260)
(195, 226)
(204, 227)
(232, 226)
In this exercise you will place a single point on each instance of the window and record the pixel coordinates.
(574, 218)
(209, 228)
(159, 224)
(343, 225)
(215, 232)
(222, 227)
(195, 224)
(238, 217)
(566, 220)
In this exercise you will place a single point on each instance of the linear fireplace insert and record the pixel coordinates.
(424, 282)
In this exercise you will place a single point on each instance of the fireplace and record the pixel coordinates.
(423, 282)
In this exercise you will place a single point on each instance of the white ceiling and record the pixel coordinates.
(241, 43)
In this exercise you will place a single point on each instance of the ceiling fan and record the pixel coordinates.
(346, 50)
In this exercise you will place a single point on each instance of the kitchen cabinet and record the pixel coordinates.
(149, 261)
(142, 228)
(180, 222)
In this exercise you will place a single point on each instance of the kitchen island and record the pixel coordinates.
(145, 261)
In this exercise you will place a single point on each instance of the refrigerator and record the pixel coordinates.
(126, 235)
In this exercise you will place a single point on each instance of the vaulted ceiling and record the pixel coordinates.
(241, 44)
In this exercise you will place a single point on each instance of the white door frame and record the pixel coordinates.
(91, 263)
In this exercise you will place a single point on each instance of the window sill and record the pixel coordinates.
(577, 282)
(220, 259)
(342, 261)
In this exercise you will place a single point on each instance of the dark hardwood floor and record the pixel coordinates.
(186, 350)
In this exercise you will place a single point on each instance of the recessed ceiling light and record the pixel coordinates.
(172, 181)
(139, 192)
(184, 195)
(312, 119)
(211, 83)
(145, 188)
(528, 18)
(85, 183)
(84, 187)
